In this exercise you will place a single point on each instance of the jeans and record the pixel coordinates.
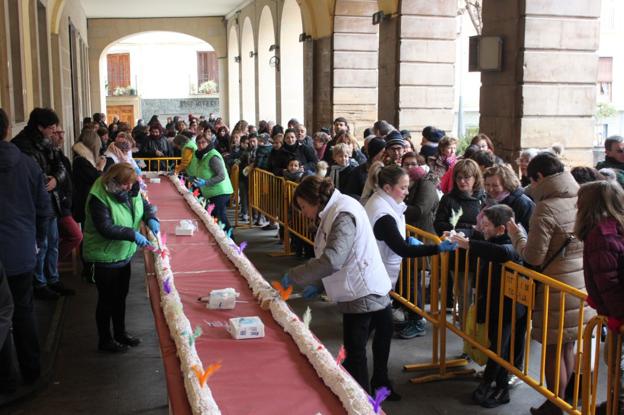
(46, 269)
(112, 286)
(243, 189)
(70, 236)
(24, 333)
(220, 210)
(356, 331)
(494, 371)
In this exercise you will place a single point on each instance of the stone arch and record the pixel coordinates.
(248, 72)
(233, 67)
(209, 29)
(291, 65)
(266, 66)
(355, 68)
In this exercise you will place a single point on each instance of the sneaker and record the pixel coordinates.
(269, 227)
(481, 394)
(112, 346)
(60, 288)
(513, 381)
(498, 398)
(45, 293)
(128, 340)
(244, 218)
(398, 316)
(465, 357)
(414, 328)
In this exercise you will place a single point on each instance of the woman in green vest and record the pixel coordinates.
(114, 212)
(212, 177)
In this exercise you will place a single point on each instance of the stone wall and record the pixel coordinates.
(180, 106)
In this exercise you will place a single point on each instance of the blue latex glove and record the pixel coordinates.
(140, 239)
(286, 282)
(154, 226)
(311, 291)
(199, 182)
(447, 246)
(411, 241)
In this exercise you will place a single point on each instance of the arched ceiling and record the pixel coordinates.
(159, 8)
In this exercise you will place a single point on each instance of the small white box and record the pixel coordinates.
(186, 227)
(155, 180)
(224, 299)
(246, 328)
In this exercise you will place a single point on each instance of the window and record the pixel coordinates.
(207, 70)
(605, 79)
(15, 36)
(118, 68)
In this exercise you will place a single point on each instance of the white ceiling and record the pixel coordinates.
(159, 8)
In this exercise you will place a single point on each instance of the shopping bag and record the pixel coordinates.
(478, 331)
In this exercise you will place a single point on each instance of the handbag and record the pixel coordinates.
(479, 332)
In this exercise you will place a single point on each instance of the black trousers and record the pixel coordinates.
(356, 331)
(112, 285)
(494, 371)
(24, 333)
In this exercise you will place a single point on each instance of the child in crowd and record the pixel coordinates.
(496, 249)
(294, 172)
(600, 225)
(340, 170)
(321, 168)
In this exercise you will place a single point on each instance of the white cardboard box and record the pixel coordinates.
(246, 328)
(224, 299)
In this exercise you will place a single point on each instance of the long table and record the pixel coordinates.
(258, 376)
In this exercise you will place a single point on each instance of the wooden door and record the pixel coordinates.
(124, 112)
(118, 68)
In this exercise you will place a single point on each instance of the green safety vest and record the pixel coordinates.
(97, 248)
(204, 171)
(191, 169)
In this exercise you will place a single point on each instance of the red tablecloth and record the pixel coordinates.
(258, 376)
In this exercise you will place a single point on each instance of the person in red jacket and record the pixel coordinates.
(600, 225)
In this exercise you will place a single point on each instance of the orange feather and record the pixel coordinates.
(202, 377)
(283, 292)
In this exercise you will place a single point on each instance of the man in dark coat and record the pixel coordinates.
(24, 214)
(35, 140)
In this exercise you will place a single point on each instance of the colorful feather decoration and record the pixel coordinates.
(167, 286)
(307, 318)
(229, 233)
(283, 292)
(221, 225)
(239, 248)
(380, 395)
(455, 215)
(182, 182)
(193, 336)
(196, 192)
(342, 355)
(210, 208)
(202, 377)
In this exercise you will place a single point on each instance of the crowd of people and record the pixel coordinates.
(360, 193)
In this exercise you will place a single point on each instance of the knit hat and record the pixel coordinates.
(375, 146)
(394, 138)
(406, 134)
(416, 173)
(432, 134)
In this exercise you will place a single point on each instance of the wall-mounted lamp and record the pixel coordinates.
(252, 54)
(274, 62)
(380, 16)
(304, 36)
(237, 59)
(273, 47)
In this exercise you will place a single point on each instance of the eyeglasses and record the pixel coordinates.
(462, 178)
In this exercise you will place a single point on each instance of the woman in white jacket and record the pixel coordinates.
(386, 212)
(348, 266)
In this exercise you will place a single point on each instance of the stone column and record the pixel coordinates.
(545, 92)
(427, 32)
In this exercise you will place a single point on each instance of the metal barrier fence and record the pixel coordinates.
(272, 196)
(159, 163)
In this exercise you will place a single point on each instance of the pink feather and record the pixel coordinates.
(342, 355)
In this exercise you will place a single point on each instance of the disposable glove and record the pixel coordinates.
(199, 182)
(411, 241)
(311, 291)
(285, 281)
(447, 246)
(140, 240)
(154, 226)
